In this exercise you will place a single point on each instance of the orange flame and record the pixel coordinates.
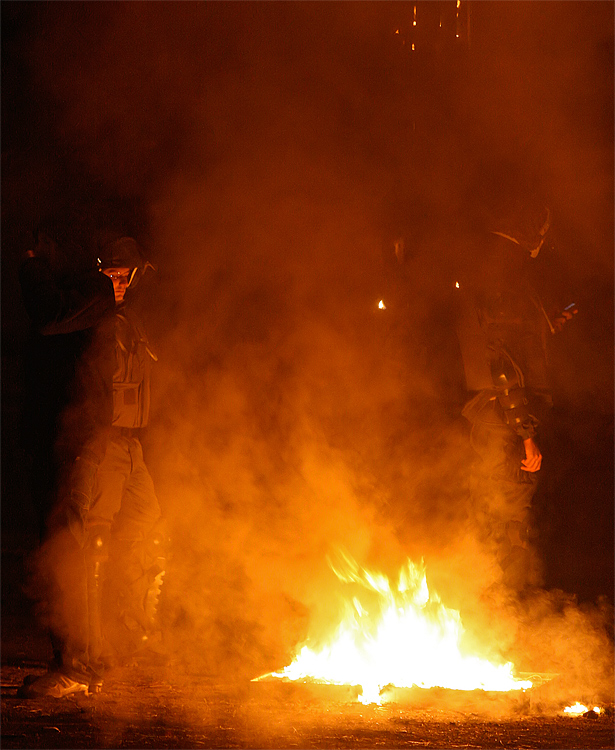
(408, 639)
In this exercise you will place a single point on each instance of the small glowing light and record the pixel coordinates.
(457, 35)
(413, 46)
(457, 284)
(397, 31)
(458, 3)
(381, 305)
(414, 23)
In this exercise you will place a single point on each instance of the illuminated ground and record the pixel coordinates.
(149, 709)
(158, 708)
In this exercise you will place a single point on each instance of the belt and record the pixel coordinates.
(126, 431)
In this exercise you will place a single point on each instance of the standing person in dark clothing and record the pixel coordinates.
(105, 514)
(502, 327)
(124, 505)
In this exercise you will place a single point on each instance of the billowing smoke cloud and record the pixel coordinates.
(274, 147)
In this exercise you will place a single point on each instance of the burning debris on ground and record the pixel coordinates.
(313, 183)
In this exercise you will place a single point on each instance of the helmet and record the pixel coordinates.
(123, 252)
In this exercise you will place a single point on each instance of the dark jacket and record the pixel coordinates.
(131, 377)
(502, 330)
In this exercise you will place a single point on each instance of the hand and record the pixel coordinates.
(533, 456)
(564, 317)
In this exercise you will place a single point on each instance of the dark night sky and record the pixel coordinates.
(271, 153)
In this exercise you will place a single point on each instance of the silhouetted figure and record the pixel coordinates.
(102, 561)
(67, 300)
(502, 326)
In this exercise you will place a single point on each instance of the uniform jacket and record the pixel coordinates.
(87, 362)
(501, 319)
(131, 377)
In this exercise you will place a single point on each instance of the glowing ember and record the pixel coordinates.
(578, 709)
(406, 638)
(381, 305)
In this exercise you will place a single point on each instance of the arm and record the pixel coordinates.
(55, 309)
(513, 400)
(511, 394)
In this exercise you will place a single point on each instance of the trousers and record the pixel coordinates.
(92, 583)
(123, 495)
(502, 496)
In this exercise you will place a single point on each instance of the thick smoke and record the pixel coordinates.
(274, 147)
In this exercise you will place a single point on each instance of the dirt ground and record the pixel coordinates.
(157, 707)
(150, 709)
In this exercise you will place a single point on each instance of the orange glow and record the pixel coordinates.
(578, 709)
(381, 305)
(404, 637)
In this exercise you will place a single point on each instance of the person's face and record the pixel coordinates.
(120, 278)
